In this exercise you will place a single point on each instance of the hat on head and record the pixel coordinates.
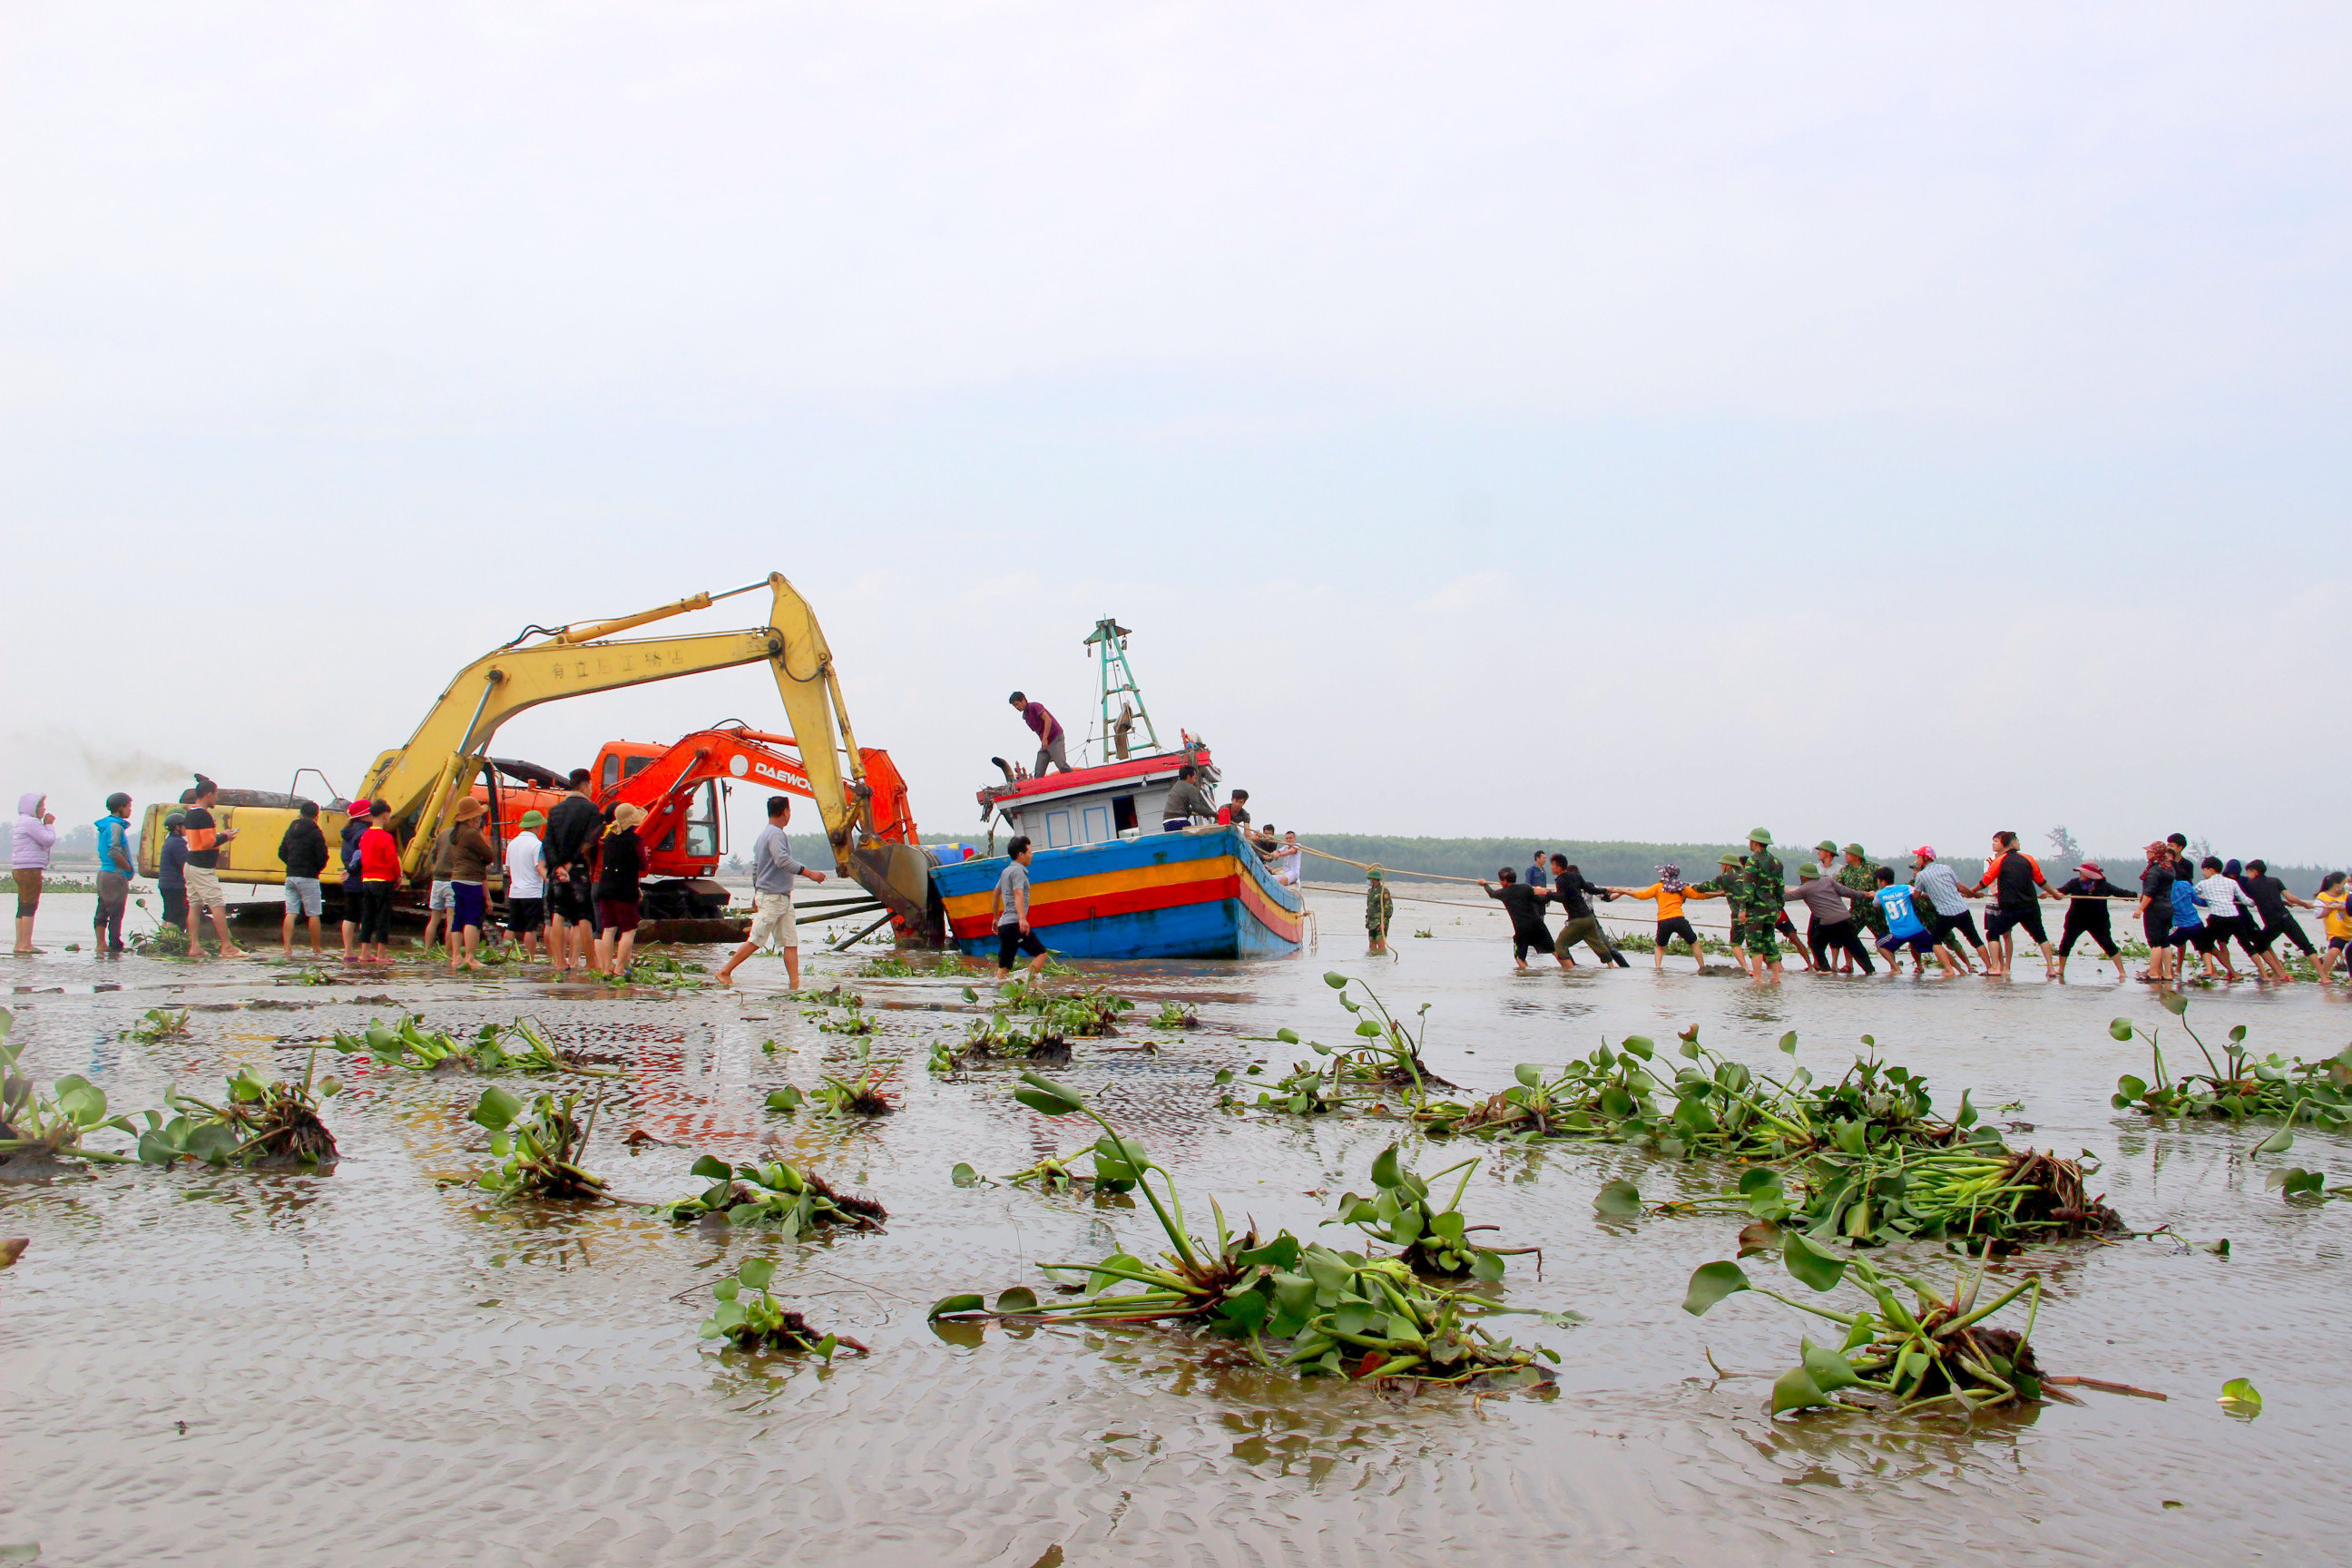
(469, 809)
(1807, 869)
(356, 809)
(1373, 872)
(1828, 844)
(1926, 852)
(2158, 848)
(2092, 868)
(1857, 851)
(1732, 860)
(534, 819)
(176, 819)
(1760, 835)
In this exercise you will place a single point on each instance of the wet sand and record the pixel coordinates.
(369, 1367)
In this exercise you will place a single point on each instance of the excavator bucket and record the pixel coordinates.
(900, 875)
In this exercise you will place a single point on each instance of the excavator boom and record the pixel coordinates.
(424, 779)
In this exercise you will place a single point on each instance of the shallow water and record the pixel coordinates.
(369, 1367)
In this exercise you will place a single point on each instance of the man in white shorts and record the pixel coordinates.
(772, 870)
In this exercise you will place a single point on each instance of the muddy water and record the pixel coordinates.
(372, 1367)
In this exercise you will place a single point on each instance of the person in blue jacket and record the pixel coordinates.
(115, 870)
(1905, 932)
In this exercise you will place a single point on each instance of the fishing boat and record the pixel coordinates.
(1104, 881)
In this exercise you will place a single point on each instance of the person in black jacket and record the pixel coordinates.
(572, 825)
(2087, 894)
(1574, 895)
(1525, 906)
(303, 852)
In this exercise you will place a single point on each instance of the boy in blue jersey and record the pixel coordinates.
(1904, 929)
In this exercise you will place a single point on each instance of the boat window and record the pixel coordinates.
(1122, 811)
(1097, 825)
(1057, 829)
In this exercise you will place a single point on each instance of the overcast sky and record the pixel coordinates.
(1895, 422)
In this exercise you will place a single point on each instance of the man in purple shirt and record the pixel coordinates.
(1049, 734)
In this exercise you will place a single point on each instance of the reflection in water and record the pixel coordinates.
(525, 1378)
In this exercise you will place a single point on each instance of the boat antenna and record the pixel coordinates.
(1116, 687)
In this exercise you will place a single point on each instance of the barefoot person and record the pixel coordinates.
(620, 864)
(2087, 915)
(35, 835)
(1669, 892)
(470, 860)
(774, 869)
(1014, 932)
(303, 850)
(1379, 908)
(1525, 906)
(206, 837)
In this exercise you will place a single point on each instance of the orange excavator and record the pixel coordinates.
(678, 786)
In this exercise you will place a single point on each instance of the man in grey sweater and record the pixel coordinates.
(772, 870)
(1186, 801)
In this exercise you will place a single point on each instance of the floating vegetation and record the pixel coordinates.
(1384, 1056)
(1326, 1311)
(520, 1046)
(831, 997)
(1075, 1014)
(260, 1121)
(2239, 1085)
(1934, 1352)
(859, 1096)
(166, 941)
(655, 972)
(37, 1128)
(773, 1193)
(786, 1100)
(539, 1145)
(751, 1319)
(1059, 1174)
(851, 1021)
(994, 1035)
(1176, 1016)
(1434, 1240)
(1594, 1096)
(2293, 1182)
(160, 1024)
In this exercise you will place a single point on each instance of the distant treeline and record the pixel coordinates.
(1630, 865)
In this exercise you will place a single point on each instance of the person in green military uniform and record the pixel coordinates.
(1379, 906)
(1765, 888)
(1730, 885)
(1856, 873)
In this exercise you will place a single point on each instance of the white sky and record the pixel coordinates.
(1898, 422)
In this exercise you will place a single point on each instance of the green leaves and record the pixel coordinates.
(1335, 979)
(497, 1110)
(1829, 1370)
(713, 1168)
(951, 1306)
(1386, 1167)
(1019, 1299)
(1638, 1045)
(786, 1100)
(756, 1272)
(1796, 1390)
(1710, 1283)
(1528, 1074)
(2120, 1029)
(2174, 1003)
(1042, 1094)
(1810, 1263)
(963, 1175)
(1618, 1199)
(2240, 1399)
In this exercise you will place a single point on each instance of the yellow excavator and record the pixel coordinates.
(423, 780)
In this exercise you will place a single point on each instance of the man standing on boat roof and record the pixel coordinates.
(1051, 747)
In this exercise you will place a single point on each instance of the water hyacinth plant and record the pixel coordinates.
(258, 1121)
(773, 1193)
(160, 1024)
(37, 1128)
(750, 1318)
(1299, 1307)
(520, 1046)
(2239, 1085)
(538, 1146)
(1434, 1240)
(1934, 1352)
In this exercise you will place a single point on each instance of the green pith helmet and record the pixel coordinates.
(1857, 851)
(1828, 845)
(1808, 871)
(1760, 835)
(1731, 860)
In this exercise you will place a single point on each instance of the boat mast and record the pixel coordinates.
(1116, 683)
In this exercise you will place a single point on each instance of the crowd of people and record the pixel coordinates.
(2185, 908)
(572, 880)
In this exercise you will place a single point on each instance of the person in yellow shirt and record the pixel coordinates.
(2335, 919)
(1669, 892)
